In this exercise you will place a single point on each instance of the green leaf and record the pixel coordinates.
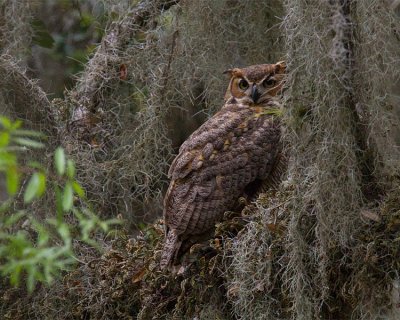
(86, 20)
(104, 226)
(12, 180)
(32, 188)
(14, 126)
(28, 142)
(7, 159)
(31, 280)
(59, 161)
(67, 197)
(113, 221)
(59, 205)
(15, 274)
(64, 233)
(42, 232)
(11, 220)
(47, 273)
(4, 139)
(70, 169)
(35, 165)
(41, 35)
(42, 184)
(4, 207)
(28, 133)
(5, 122)
(78, 189)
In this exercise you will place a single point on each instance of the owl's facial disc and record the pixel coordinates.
(255, 84)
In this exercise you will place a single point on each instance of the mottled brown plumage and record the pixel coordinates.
(237, 146)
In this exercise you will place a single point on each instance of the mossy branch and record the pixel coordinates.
(103, 69)
(28, 99)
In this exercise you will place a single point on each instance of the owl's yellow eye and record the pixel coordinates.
(268, 82)
(243, 84)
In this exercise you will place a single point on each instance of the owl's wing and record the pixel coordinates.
(206, 140)
(216, 163)
(232, 149)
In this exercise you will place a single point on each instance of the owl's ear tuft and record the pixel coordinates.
(231, 72)
(280, 67)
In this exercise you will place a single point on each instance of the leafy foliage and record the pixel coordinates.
(31, 249)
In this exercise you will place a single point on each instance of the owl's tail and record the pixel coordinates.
(170, 249)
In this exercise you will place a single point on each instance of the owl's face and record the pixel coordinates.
(255, 84)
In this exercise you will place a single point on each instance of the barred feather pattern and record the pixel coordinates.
(235, 147)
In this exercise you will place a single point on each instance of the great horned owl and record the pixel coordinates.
(235, 148)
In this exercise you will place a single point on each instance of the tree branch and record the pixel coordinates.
(28, 99)
(102, 69)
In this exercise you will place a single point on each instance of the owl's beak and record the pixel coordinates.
(255, 95)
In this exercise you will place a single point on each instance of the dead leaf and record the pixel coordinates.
(371, 215)
(139, 275)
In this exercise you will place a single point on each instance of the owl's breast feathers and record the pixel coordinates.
(235, 147)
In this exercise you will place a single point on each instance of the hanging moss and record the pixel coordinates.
(322, 246)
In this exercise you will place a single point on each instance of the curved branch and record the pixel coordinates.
(101, 69)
